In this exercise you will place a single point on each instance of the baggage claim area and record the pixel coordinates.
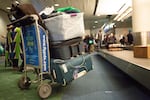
(74, 50)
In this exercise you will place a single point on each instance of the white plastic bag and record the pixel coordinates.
(47, 10)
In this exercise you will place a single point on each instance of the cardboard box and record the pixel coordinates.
(141, 51)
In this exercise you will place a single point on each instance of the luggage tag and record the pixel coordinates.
(64, 67)
(75, 73)
(73, 14)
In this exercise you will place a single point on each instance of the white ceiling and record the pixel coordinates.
(86, 6)
(109, 7)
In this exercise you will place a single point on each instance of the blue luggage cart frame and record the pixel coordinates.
(36, 54)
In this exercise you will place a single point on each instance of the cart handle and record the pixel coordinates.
(35, 18)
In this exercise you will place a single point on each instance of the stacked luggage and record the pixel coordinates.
(65, 42)
(68, 60)
(66, 32)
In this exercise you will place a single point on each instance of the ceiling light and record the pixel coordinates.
(17, 2)
(103, 25)
(127, 16)
(125, 11)
(94, 26)
(8, 8)
(96, 21)
(56, 5)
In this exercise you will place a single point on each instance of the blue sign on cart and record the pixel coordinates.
(31, 45)
(44, 46)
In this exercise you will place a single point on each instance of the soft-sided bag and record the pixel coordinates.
(65, 71)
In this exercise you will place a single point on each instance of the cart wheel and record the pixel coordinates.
(44, 90)
(24, 83)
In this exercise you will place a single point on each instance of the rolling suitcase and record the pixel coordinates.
(66, 49)
(65, 71)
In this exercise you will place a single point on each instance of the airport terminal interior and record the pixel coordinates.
(74, 50)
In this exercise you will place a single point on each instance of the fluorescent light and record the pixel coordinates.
(121, 11)
(56, 5)
(125, 11)
(129, 10)
(17, 2)
(103, 25)
(94, 26)
(96, 21)
(127, 16)
(8, 8)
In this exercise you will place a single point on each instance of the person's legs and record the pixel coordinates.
(15, 64)
(21, 68)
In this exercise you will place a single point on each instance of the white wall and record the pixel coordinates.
(3, 25)
(141, 16)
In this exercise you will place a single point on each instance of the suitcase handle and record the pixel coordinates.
(59, 61)
(80, 65)
(74, 44)
(76, 67)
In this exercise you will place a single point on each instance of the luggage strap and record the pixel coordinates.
(60, 61)
(80, 65)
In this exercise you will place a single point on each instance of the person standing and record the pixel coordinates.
(98, 39)
(111, 40)
(122, 40)
(130, 38)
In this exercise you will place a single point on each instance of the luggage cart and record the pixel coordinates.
(36, 55)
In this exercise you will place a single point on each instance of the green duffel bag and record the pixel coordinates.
(65, 71)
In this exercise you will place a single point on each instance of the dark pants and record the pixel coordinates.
(14, 63)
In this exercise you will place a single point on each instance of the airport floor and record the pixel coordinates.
(105, 82)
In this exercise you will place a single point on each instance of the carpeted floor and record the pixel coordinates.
(105, 82)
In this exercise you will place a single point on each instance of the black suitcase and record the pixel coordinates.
(65, 71)
(81, 48)
(66, 49)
